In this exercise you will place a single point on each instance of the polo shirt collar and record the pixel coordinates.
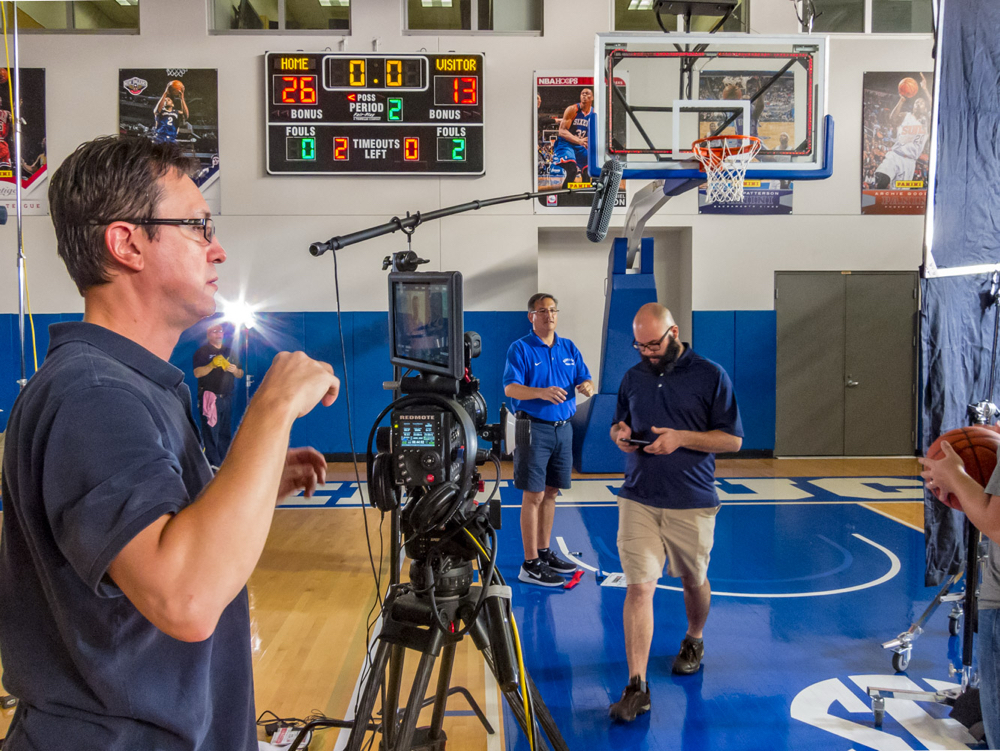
(538, 341)
(114, 345)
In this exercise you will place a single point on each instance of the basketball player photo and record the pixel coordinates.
(176, 105)
(34, 166)
(896, 116)
(565, 120)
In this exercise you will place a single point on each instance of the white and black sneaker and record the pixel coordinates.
(554, 562)
(538, 572)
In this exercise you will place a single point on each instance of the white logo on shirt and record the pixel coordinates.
(569, 361)
(538, 363)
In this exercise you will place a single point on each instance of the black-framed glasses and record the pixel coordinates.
(205, 223)
(650, 345)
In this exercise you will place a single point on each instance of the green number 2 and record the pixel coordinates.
(395, 109)
(458, 149)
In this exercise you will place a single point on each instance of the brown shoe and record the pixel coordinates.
(633, 703)
(688, 660)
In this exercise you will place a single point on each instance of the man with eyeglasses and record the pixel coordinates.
(217, 374)
(124, 615)
(675, 411)
(541, 373)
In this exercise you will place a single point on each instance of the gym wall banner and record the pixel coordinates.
(896, 111)
(179, 105)
(774, 124)
(558, 161)
(34, 169)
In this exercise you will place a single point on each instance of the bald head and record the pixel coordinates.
(655, 315)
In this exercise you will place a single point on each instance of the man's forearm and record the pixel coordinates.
(981, 508)
(711, 442)
(519, 391)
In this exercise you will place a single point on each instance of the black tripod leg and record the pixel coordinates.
(415, 703)
(366, 704)
(441, 697)
(390, 704)
(545, 718)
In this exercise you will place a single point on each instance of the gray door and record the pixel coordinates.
(846, 363)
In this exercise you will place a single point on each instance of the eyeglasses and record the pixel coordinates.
(545, 311)
(206, 224)
(650, 345)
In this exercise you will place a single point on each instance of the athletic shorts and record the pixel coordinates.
(564, 151)
(548, 461)
(897, 167)
(648, 537)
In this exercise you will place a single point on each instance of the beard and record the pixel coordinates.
(666, 362)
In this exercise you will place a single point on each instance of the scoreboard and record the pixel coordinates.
(350, 114)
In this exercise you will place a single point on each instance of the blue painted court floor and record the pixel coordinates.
(807, 583)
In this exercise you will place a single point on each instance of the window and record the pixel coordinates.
(872, 16)
(96, 15)
(638, 15)
(511, 16)
(281, 15)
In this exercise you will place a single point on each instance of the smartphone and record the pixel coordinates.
(637, 442)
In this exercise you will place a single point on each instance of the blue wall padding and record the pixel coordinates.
(366, 338)
(744, 343)
(626, 294)
(593, 450)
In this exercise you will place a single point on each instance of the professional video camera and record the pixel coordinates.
(426, 465)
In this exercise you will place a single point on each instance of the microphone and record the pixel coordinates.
(604, 200)
(318, 249)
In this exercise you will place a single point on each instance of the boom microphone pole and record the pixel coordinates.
(411, 221)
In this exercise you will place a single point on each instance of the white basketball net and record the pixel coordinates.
(725, 160)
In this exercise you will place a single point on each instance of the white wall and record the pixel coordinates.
(267, 222)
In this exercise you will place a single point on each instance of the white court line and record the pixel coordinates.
(492, 710)
(345, 733)
(894, 569)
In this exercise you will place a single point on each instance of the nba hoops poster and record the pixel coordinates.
(772, 120)
(34, 170)
(896, 115)
(565, 116)
(179, 105)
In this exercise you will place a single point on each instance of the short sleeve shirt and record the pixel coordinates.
(696, 395)
(533, 363)
(100, 444)
(989, 592)
(217, 380)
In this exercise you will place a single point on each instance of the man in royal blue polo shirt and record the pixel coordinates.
(542, 371)
(124, 615)
(683, 408)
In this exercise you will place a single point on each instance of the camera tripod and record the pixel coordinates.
(411, 621)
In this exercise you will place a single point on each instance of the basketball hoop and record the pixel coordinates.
(724, 160)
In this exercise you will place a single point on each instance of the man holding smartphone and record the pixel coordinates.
(541, 373)
(676, 410)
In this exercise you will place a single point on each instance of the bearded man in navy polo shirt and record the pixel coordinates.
(542, 371)
(683, 408)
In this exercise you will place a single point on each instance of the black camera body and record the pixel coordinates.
(426, 447)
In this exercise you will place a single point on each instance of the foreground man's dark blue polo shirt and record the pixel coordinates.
(696, 395)
(100, 444)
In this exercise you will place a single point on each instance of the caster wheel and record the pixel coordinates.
(900, 661)
(954, 626)
(879, 717)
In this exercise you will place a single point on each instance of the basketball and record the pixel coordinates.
(732, 91)
(908, 87)
(977, 446)
(179, 87)
(3, 75)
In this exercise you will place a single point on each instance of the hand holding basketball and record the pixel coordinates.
(178, 88)
(908, 88)
(970, 451)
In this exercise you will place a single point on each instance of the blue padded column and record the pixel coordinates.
(593, 450)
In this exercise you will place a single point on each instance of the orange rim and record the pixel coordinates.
(715, 153)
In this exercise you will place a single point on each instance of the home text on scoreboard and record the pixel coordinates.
(350, 114)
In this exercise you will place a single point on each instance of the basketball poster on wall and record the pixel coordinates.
(772, 120)
(179, 105)
(896, 114)
(34, 170)
(564, 119)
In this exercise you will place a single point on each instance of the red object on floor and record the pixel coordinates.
(574, 581)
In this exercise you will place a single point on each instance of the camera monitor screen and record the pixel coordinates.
(425, 322)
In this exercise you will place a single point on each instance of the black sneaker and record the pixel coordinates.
(688, 660)
(557, 564)
(633, 703)
(537, 572)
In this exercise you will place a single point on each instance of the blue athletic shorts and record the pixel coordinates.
(564, 151)
(548, 461)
